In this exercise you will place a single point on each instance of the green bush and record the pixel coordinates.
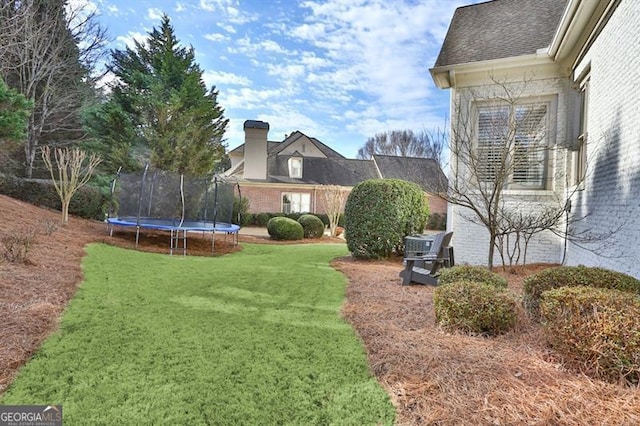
(283, 228)
(596, 329)
(261, 219)
(572, 276)
(437, 222)
(312, 225)
(379, 213)
(473, 307)
(88, 202)
(241, 215)
(471, 273)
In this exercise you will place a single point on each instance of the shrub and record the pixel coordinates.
(88, 202)
(241, 215)
(312, 226)
(473, 307)
(572, 276)
(262, 219)
(16, 245)
(379, 213)
(471, 273)
(596, 329)
(437, 221)
(283, 228)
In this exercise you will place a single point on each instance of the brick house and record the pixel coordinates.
(288, 176)
(575, 65)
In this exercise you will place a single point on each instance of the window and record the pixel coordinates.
(296, 202)
(512, 144)
(580, 167)
(295, 167)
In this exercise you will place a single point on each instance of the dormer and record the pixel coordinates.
(295, 165)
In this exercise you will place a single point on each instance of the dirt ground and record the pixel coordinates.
(432, 377)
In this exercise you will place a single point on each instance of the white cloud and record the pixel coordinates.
(180, 7)
(216, 37)
(128, 40)
(154, 14)
(251, 99)
(113, 9)
(375, 50)
(286, 72)
(228, 28)
(220, 77)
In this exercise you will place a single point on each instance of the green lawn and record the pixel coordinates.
(250, 338)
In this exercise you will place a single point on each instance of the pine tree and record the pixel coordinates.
(160, 86)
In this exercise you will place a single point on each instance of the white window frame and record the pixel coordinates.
(525, 176)
(580, 155)
(296, 202)
(295, 167)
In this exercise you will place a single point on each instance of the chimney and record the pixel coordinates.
(255, 149)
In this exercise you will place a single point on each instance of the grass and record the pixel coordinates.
(251, 338)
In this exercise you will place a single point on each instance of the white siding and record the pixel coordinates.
(611, 195)
(471, 240)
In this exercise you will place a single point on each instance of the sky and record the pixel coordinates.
(337, 70)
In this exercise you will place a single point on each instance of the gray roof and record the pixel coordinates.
(338, 171)
(425, 172)
(500, 29)
(326, 150)
(322, 171)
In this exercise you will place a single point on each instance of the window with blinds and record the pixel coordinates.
(512, 145)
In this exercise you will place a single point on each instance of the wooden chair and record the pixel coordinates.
(424, 269)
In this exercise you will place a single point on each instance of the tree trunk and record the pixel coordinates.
(492, 244)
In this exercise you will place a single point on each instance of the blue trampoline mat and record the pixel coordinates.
(174, 224)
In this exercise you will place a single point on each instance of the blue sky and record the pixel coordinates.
(337, 70)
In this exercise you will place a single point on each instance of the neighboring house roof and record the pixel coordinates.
(338, 171)
(426, 172)
(500, 29)
(293, 137)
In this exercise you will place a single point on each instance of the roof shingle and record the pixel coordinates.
(500, 29)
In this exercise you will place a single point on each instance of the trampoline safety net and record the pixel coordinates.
(172, 197)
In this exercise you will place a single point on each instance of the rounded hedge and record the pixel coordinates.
(283, 228)
(312, 226)
(379, 213)
(473, 307)
(572, 276)
(471, 273)
(597, 330)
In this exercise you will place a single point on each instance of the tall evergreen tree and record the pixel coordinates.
(160, 86)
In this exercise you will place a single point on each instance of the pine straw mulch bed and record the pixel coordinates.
(432, 377)
(448, 379)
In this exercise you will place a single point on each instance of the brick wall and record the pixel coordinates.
(268, 199)
(610, 199)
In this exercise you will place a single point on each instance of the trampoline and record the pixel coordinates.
(165, 201)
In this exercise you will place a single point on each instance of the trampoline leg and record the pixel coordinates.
(213, 241)
(137, 235)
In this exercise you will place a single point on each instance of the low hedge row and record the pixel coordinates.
(472, 299)
(474, 307)
(261, 219)
(571, 276)
(283, 228)
(88, 202)
(595, 329)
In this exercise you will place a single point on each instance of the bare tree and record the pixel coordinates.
(334, 197)
(501, 141)
(497, 143)
(73, 173)
(47, 52)
(406, 143)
